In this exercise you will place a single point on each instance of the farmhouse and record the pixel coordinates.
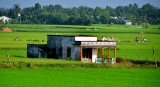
(5, 19)
(83, 48)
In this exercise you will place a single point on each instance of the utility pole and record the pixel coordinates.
(19, 17)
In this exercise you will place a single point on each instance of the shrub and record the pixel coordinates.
(8, 66)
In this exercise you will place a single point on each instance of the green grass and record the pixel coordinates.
(13, 53)
(102, 28)
(8, 39)
(115, 77)
(127, 50)
(28, 72)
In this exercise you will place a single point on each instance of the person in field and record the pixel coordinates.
(137, 39)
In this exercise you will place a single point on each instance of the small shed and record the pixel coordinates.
(127, 22)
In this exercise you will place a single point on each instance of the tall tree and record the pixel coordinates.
(15, 11)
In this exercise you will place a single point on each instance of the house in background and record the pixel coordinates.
(5, 19)
(127, 22)
(83, 48)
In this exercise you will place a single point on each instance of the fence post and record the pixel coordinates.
(154, 57)
(8, 58)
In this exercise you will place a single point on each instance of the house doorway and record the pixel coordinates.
(68, 52)
(87, 53)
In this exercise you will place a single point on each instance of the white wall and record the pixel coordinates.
(94, 54)
(85, 38)
(128, 23)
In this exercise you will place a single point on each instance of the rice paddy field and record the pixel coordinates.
(127, 48)
(25, 72)
(111, 77)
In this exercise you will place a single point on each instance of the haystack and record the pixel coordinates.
(6, 30)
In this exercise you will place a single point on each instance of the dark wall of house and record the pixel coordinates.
(36, 50)
(57, 47)
(64, 46)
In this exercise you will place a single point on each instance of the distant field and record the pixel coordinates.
(127, 48)
(112, 77)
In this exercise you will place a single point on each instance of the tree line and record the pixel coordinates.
(56, 14)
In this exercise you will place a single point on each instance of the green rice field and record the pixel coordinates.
(43, 72)
(125, 77)
(127, 48)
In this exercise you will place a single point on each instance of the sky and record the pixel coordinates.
(77, 3)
